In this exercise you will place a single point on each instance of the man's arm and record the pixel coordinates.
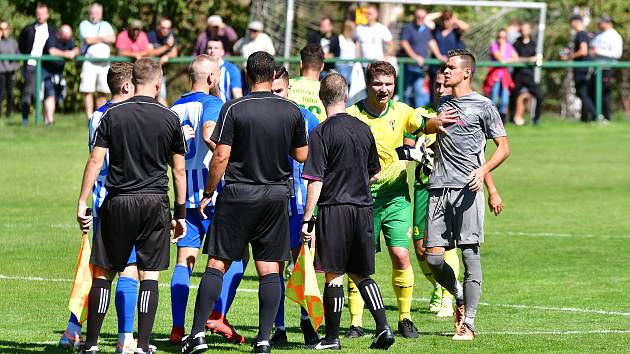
(178, 169)
(90, 174)
(581, 52)
(218, 164)
(299, 154)
(494, 199)
(435, 49)
(313, 192)
(108, 39)
(67, 54)
(404, 44)
(477, 177)
(206, 132)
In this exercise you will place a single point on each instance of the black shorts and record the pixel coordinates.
(256, 214)
(125, 220)
(344, 239)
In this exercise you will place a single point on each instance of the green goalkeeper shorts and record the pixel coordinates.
(420, 205)
(392, 215)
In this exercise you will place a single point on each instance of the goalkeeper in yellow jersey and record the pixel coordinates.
(388, 120)
(441, 301)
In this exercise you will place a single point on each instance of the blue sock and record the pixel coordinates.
(180, 286)
(304, 313)
(126, 299)
(73, 319)
(279, 323)
(231, 280)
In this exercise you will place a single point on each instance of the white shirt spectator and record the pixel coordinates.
(608, 44)
(41, 36)
(262, 43)
(347, 47)
(372, 40)
(99, 29)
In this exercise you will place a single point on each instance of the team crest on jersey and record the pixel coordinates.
(392, 124)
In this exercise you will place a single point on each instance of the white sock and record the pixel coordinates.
(264, 342)
(281, 328)
(125, 337)
(459, 293)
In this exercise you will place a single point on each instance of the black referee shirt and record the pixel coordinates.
(262, 129)
(342, 154)
(140, 134)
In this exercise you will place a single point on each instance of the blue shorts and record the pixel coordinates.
(295, 228)
(132, 256)
(51, 88)
(196, 227)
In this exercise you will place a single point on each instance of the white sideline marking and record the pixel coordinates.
(554, 234)
(247, 290)
(506, 333)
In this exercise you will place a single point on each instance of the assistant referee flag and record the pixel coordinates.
(302, 287)
(82, 281)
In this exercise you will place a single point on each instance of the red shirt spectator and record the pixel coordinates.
(133, 42)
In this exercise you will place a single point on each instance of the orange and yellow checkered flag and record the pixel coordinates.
(82, 281)
(302, 287)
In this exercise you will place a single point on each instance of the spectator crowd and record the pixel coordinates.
(428, 35)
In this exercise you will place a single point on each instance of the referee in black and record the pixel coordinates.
(342, 162)
(142, 138)
(254, 137)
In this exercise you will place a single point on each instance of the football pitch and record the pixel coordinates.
(555, 262)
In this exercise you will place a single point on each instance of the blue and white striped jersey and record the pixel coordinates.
(230, 79)
(194, 109)
(298, 201)
(98, 191)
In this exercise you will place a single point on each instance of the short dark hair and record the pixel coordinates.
(333, 89)
(327, 18)
(117, 74)
(467, 58)
(260, 67)
(145, 70)
(442, 68)
(41, 5)
(312, 57)
(379, 68)
(281, 73)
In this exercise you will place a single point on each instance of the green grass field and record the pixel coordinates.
(555, 262)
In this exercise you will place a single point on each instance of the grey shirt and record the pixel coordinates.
(462, 150)
(8, 46)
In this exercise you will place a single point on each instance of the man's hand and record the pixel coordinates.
(419, 60)
(476, 178)
(307, 236)
(163, 59)
(84, 220)
(447, 116)
(495, 203)
(178, 227)
(203, 203)
(189, 132)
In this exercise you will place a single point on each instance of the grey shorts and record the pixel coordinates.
(455, 217)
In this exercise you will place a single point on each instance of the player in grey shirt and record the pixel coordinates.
(456, 208)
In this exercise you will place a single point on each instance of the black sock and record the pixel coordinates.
(371, 294)
(26, 107)
(207, 296)
(333, 305)
(98, 302)
(269, 296)
(147, 307)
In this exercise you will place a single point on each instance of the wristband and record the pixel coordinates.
(207, 195)
(179, 211)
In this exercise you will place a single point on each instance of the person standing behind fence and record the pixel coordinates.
(607, 46)
(524, 77)
(31, 41)
(348, 49)
(499, 82)
(375, 39)
(415, 41)
(96, 37)
(133, 41)
(216, 29)
(328, 39)
(163, 45)
(581, 76)
(257, 40)
(8, 45)
(61, 45)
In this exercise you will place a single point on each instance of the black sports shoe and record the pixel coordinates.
(383, 340)
(196, 344)
(310, 335)
(326, 344)
(91, 350)
(265, 348)
(407, 329)
(279, 338)
(355, 332)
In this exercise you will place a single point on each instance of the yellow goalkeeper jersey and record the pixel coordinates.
(388, 130)
(305, 92)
